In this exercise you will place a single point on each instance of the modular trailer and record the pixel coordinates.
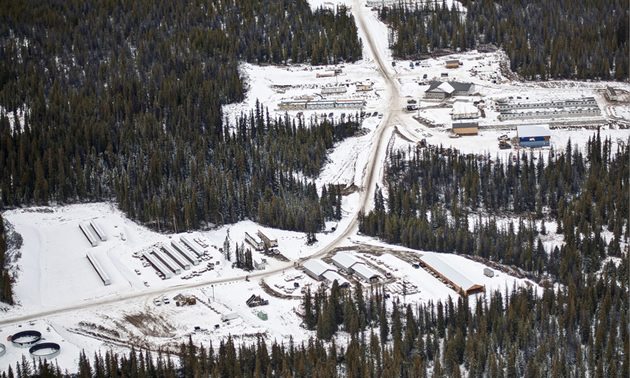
(99, 269)
(194, 247)
(88, 234)
(167, 261)
(99, 231)
(158, 265)
(177, 257)
(185, 252)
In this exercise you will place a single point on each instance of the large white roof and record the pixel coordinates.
(447, 271)
(331, 275)
(317, 267)
(464, 107)
(364, 271)
(345, 260)
(527, 131)
(446, 87)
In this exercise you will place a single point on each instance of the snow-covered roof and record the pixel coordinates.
(344, 260)
(446, 88)
(364, 271)
(331, 275)
(317, 267)
(448, 271)
(527, 131)
(464, 107)
(450, 87)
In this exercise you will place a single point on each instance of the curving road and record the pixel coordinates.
(370, 179)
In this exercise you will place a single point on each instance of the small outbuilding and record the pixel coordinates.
(533, 136)
(452, 63)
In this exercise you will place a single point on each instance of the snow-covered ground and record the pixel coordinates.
(54, 272)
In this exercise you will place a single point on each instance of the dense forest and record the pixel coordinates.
(122, 101)
(441, 200)
(568, 39)
(575, 331)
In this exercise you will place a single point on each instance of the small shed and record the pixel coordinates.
(533, 136)
(488, 272)
(452, 63)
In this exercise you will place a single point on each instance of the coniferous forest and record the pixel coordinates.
(123, 102)
(566, 39)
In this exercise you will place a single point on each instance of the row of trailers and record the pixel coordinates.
(169, 260)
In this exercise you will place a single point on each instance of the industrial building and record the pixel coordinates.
(351, 264)
(319, 270)
(465, 128)
(441, 90)
(533, 136)
(450, 275)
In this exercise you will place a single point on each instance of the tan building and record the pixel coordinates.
(465, 128)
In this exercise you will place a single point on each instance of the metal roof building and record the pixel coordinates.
(345, 261)
(316, 268)
(331, 275)
(352, 264)
(364, 272)
(533, 135)
(461, 284)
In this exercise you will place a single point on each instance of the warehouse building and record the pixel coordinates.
(450, 275)
(533, 136)
(320, 271)
(351, 264)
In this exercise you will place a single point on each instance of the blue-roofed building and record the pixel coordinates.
(533, 136)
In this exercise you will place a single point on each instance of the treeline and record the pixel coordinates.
(6, 282)
(578, 330)
(122, 101)
(171, 183)
(439, 199)
(568, 39)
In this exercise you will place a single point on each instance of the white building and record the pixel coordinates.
(352, 264)
(464, 110)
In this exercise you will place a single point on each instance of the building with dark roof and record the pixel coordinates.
(441, 90)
